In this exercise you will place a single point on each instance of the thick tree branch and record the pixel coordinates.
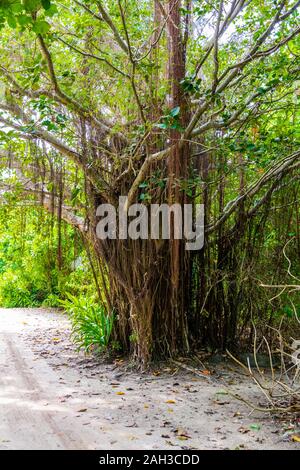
(112, 26)
(65, 99)
(38, 133)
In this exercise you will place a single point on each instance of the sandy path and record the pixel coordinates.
(53, 398)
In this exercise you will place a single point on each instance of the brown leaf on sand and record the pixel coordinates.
(243, 430)
(56, 340)
(219, 402)
(182, 434)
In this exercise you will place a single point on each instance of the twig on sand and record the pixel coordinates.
(192, 370)
(273, 409)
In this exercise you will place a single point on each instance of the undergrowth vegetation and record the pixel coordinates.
(30, 272)
(91, 325)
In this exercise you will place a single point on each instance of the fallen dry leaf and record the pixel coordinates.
(171, 401)
(295, 438)
(118, 361)
(218, 402)
(243, 430)
(181, 433)
(166, 423)
(170, 443)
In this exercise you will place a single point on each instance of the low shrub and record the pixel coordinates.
(91, 325)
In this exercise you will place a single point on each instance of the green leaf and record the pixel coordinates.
(262, 90)
(176, 126)
(49, 124)
(162, 125)
(31, 5)
(41, 27)
(175, 111)
(23, 20)
(11, 21)
(255, 427)
(51, 11)
(288, 311)
(46, 4)
(75, 193)
(16, 7)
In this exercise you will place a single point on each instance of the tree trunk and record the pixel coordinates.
(142, 296)
(177, 173)
(150, 280)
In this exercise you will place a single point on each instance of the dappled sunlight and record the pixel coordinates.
(16, 320)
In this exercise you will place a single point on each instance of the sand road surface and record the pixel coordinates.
(52, 397)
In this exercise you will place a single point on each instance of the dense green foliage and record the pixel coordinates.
(30, 275)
